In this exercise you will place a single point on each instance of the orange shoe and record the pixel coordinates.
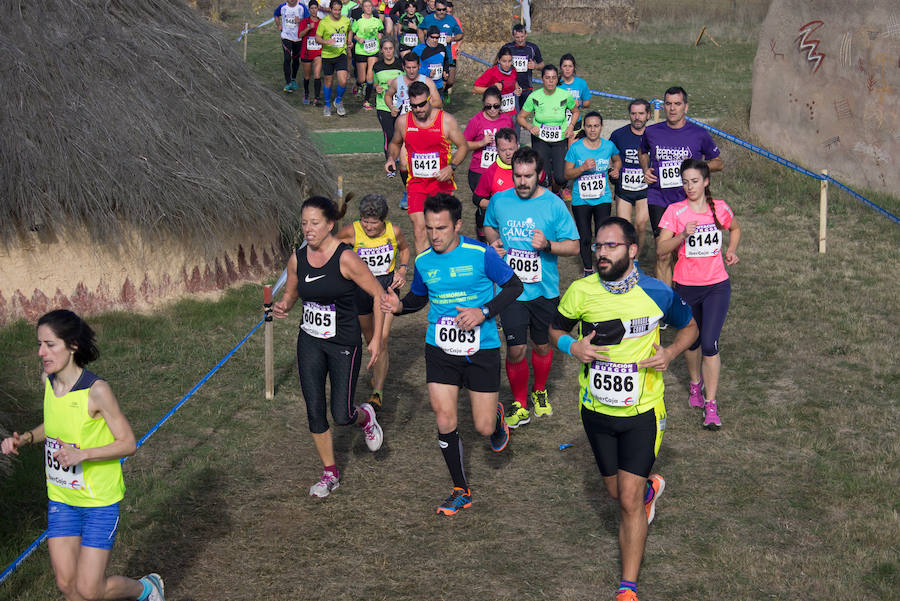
(626, 595)
(460, 498)
(658, 484)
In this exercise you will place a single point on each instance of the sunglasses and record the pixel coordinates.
(491, 106)
(434, 37)
(440, 10)
(419, 104)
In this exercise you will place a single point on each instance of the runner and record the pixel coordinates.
(435, 58)
(457, 276)
(84, 434)
(631, 189)
(386, 70)
(326, 274)
(621, 382)
(496, 178)
(311, 53)
(333, 34)
(694, 227)
(480, 134)
(427, 133)
(287, 19)
(553, 112)
(501, 76)
(454, 51)
(450, 31)
(531, 226)
(663, 147)
(526, 58)
(382, 246)
(575, 86)
(409, 28)
(367, 31)
(588, 162)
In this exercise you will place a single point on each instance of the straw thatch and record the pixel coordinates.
(125, 117)
(583, 17)
(487, 26)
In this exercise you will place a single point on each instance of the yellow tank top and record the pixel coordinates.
(66, 420)
(378, 253)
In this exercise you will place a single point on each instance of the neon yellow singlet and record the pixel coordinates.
(330, 29)
(380, 252)
(66, 420)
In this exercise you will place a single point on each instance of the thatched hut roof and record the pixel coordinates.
(140, 115)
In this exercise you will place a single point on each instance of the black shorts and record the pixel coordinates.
(629, 444)
(479, 372)
(331, 65)
(534, 317)
(364, 302)
(656, 213)
(630, 196)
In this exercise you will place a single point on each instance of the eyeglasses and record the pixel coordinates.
(418, 105)
(491, 106)
(607, 245)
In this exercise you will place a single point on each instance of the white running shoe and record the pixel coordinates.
(157, 588)
(374, 433)
(327, 483)
(339, 107)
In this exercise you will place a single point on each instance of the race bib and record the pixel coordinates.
(319, 320)
(410, 39)
(614, 384)
(670, 174)
(370, 46)
(488, 156)
(633, 180)
(706, 241)
(443, 39)
(378, 259)
(425, 164)
(339, 37)
(455, 341)
(312, 44)
(508, 103)
(437, 72)
(526, 264)
(520, 63)
(71, 478)
(552, 133)
(592, 185)
(404, 107)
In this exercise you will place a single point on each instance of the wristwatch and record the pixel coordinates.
(454, 166)
(485, 311)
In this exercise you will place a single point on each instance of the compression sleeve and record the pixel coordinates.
(412, 302)
(509, 291)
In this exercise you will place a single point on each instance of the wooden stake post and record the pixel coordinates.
(823, 211)
(269, 344)
(246, 34)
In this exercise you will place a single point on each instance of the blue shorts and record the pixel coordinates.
(97, 526)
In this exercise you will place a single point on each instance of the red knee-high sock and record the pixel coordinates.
(518, 380)
(541, 365)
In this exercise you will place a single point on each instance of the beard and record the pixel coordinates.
(613, 270)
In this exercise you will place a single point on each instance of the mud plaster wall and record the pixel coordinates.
(45, 271)
(825, 88)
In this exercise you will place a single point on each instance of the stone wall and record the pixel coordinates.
(825, 88)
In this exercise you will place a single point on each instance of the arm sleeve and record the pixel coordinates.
(509, 292)
(537, 54)
(669, 221)
(567, 314)
(563, 323)
(412, 302)
(645, 144)
(277, 13)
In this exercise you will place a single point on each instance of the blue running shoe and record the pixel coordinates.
(157, 589)
(500, 437)
(460, 498)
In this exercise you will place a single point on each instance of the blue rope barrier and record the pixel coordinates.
(657, 103)
(246, 31)
(43, 536)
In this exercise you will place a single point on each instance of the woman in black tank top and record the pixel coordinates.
(325, 273)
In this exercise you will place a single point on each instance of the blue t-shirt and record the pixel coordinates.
(515, 219)
(578, 89)
(462, 277)
(591, 187)
(433, 62)
(448, 26)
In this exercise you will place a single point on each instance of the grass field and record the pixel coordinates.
(793, 499)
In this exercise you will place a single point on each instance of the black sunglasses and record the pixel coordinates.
(491, 106)
(418, 105)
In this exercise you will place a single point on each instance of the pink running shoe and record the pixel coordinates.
(711, 419)
(696, 397)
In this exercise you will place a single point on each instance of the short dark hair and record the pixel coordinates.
(411, 57)
(490, 91)
(328, 208)
(628, 231)
(74, 332)
(527, 154)
(506, 133)
(519, 28)
(593, 114)
(568, 56)
(549, 67)
(333, 2)
(418, 88)
(676, 90)
(437, 203)
(503, 52)
(637, 101)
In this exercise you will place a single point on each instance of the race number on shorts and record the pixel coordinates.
(614, 384)
(526, 264)
(425, 164)
(378, 259)
(319, 321)
(670, 174)
(552, 133)
(706, 241)
(454, 341)
(592, 185)
(71, 478)
(633, 180)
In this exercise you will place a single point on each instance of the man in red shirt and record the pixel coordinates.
(497, 178)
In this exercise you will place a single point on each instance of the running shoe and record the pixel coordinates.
(367, 106)
(696, 394)
(305, 99)
(500, 437)
(460, 498)
(157, 589)
(317, 102)
(541, 404)
(711, 419)
(404, 203)
(657, 485)
(326, 112)
(375, 400)
(339, 107)
(327, 483)
(626, 595)
(287, 88)
(355, 90)
(374, 433)
(566, 195)
(294, 85)
(518, 416)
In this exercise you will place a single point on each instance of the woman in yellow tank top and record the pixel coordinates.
(383, 247)
(84, 434)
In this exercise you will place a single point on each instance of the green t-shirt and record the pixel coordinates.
(549, 110)
(383, 76)
(346, 8)
(338, 30)
(367, 29)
